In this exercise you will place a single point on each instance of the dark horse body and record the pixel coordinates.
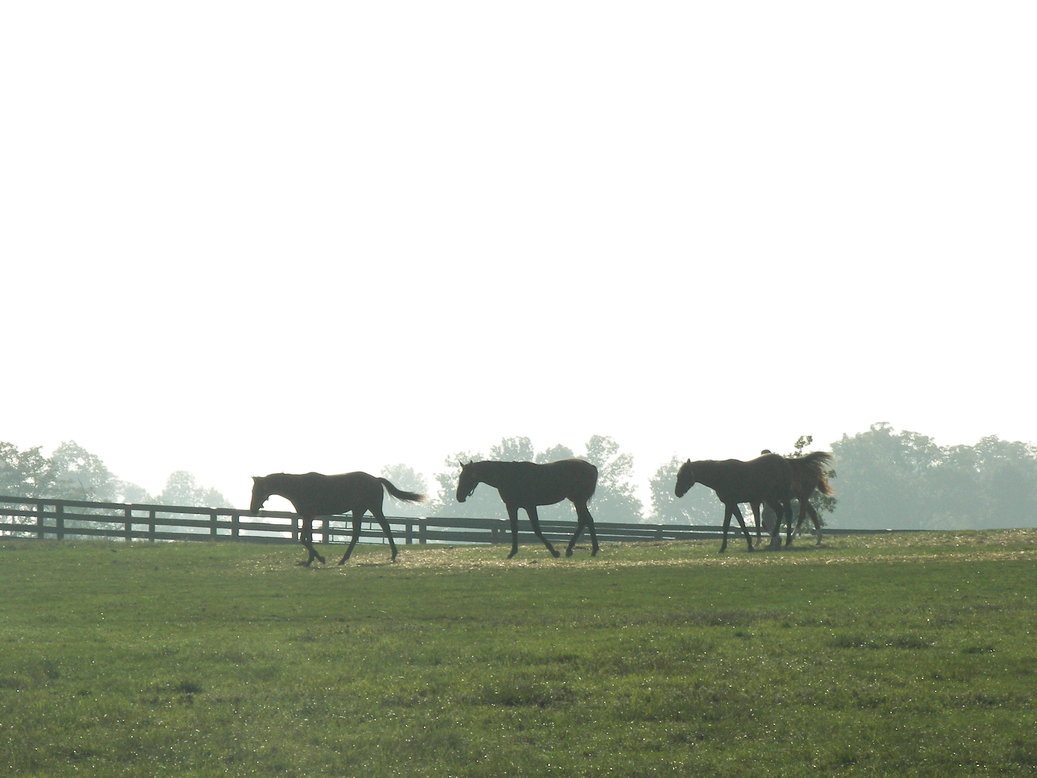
(315, 494)
(526, 485)
(762, 480)
(809, 474)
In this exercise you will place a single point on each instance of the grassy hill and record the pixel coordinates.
(906, 654)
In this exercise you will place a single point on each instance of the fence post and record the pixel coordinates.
(235, 525)
(151, 526)
(59, 520)
(212, 523)
(128, 529)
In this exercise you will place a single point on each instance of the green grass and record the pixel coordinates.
(872, 655)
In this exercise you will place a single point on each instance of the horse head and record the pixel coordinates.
(685, 479)
(260, 493)
(466, 482)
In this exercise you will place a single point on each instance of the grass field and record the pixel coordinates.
(911, 654)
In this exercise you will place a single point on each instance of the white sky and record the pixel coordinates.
(246, 237)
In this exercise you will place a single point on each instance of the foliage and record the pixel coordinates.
(905, 480)
(73, 473)
(182, 489)
(202, 659)
(25, 472)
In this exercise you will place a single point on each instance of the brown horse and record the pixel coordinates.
(806, 474)
(809, 474)
(315, 494)
(762, 480)
(527, 484)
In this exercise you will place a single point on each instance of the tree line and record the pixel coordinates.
(73, 473)
(883, 478)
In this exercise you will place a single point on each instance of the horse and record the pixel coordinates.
(527, 484)
(762, 480)
(316, 494)
(807, 475)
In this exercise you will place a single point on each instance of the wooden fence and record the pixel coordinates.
(69, 519)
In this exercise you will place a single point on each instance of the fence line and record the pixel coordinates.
(67, 519)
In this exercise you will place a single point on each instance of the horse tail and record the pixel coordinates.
(399, 494)
(593, 480)
(819, 462)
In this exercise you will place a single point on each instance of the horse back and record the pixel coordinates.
(316, 494)
(530, 483)
(766, 477)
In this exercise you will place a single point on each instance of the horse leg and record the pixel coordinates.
(388, 533)
(584, 519)
(513, 520)
(306, 536)
(755, 507)
(814, 518)
(756, 515)
(534, 521)
(358, 519)
(802, 515)
(733, 510)
(576, 534)
(787, 505)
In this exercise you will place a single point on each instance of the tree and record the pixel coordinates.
(883, 477)
(615, 498)
(25, 473)
(905, 481)
(76, 474)
(183, 489)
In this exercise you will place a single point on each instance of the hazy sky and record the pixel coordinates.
(245, 237)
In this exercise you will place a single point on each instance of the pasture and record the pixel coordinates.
(870, 655)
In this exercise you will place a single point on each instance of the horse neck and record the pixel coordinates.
(282, 486)
(489, 473)
(707, 473)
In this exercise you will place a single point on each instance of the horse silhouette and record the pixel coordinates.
(316, 494)
(765, 479)
(809, 474)
(527, 485)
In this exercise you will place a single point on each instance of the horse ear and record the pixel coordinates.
(688, 462)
